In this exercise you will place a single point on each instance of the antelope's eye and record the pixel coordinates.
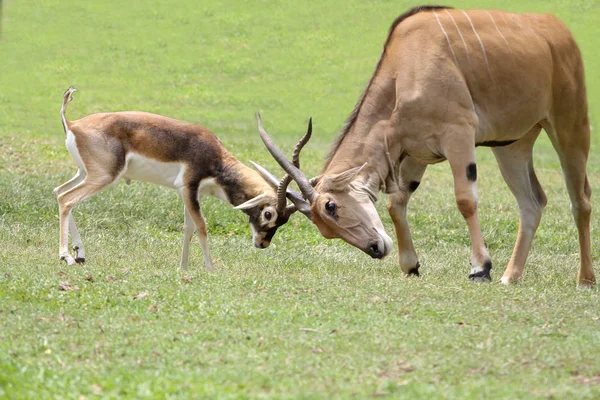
(330, 207)
(268, 215)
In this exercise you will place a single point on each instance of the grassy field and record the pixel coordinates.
(306, 318)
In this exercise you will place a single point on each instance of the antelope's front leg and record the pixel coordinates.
(464, 170)
(411, 173)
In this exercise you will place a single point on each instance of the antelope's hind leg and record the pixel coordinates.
(516, 165)
(572, 143)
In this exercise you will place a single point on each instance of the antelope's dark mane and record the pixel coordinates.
(354, 115)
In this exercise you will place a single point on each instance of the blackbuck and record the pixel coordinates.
(449, 81)
(136, 145)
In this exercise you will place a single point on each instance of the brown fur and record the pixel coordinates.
(104, 140)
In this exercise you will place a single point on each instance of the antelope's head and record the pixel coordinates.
(341, 205)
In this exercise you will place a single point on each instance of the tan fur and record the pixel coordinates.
(447, 81)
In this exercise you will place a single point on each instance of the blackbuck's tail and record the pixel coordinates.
(67, 97)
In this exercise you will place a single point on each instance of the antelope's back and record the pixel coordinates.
(501, 64)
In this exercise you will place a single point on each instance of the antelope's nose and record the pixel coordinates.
(264, 244)
(375, 251)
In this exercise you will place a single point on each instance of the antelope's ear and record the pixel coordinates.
(339, 182)
(314, 181)
(256, 201)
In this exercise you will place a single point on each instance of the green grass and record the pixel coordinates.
(306, 318)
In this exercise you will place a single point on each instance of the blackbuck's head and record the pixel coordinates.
(341, 204)
(270, 210)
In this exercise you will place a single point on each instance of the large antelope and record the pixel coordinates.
(136, 145)
(447, 82)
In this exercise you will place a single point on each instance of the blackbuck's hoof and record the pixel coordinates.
(68, 259)
(483, 275)
(80, 260)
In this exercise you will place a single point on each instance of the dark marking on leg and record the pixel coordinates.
(414, 271)
(413, 186)
(483, 275)
(472, 172)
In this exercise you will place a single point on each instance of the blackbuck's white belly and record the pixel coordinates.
(140, 168)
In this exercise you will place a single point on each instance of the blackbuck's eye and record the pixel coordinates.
(330, 207)
(268, 215)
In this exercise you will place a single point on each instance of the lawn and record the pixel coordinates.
(307, 317)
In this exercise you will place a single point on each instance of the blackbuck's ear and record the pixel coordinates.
(256, 201)
(339, 182)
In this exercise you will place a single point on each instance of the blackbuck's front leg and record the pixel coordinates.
(411, 173)
(461, 156)
(516, 164)
(192, 205)
(188, 233)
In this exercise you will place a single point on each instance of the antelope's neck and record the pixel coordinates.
(373, 149)
(369, 135)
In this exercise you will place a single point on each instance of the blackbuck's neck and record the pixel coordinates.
(241, 183)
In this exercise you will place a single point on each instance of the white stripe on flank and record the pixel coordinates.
(501, 34)
(480, 42)
(459, 34)
(447, 38)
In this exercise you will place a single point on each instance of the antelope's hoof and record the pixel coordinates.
(414, 271)
(510, 280)
(483, 275)
(586, 284)
(80, 260)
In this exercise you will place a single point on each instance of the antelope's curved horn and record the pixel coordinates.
(285, 181)
(303, 183)
(300, 145)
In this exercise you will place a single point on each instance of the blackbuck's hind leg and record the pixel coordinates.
(192, 204)
(411, 172)
(572, 145)
(460, 153)
(516, 164)
(72, 228)
(67, 200)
